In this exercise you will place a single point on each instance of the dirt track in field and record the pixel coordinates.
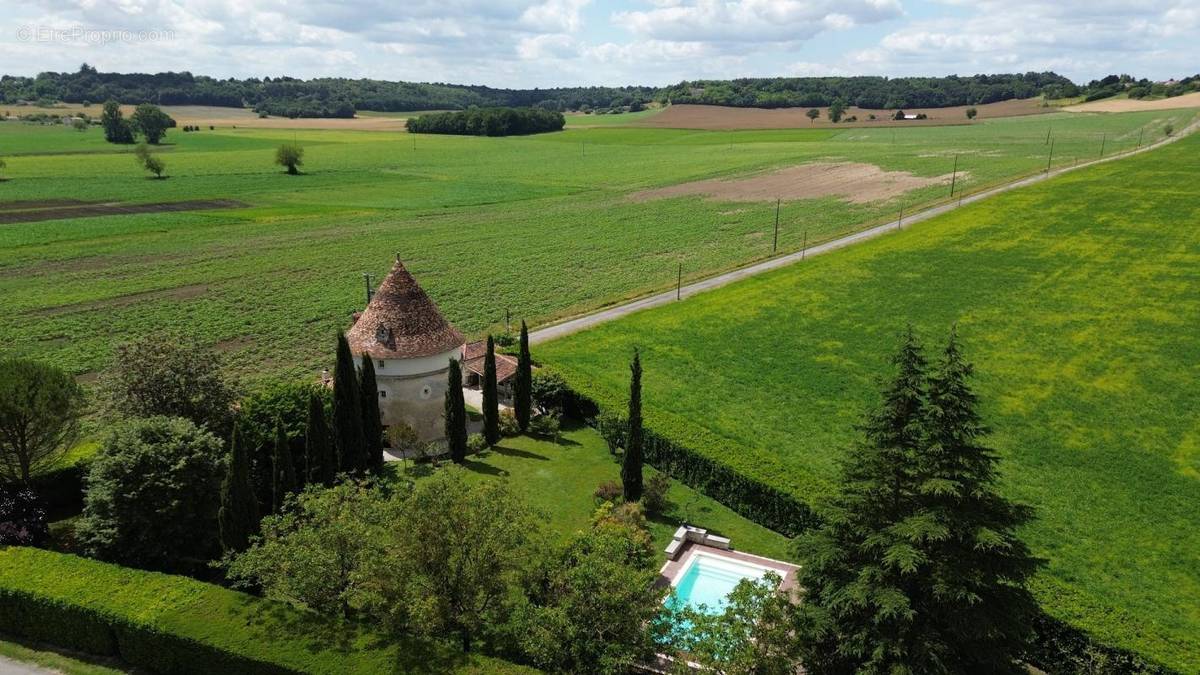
(853, 182)
(713, 117)
(9, 214)
(1133, 105)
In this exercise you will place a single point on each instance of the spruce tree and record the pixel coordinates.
(491, 399)
(320, 456)
(456, 414)
(372, 421)
(523, 384)
(238, 516)
(347, 410)
(859, 568)
(283, 471)
(975, 594)
(631, 463)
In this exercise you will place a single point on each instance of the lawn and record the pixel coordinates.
(558, 479)
(57, 660)
(539, 226)
(1078, 300)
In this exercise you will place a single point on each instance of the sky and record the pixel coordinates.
(544, 43)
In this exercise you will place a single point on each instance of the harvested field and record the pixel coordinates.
(204, 116)
(92, 210)
(1133, 105)
(715, 117)
(851, 181)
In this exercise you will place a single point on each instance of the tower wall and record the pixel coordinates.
(413, 391)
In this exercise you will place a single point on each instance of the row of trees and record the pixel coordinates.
(148, 121)
(489, 122)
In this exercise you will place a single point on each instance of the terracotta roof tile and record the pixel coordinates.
(473, 354)
(402, 322)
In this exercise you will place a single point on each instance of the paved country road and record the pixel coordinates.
(557, 330)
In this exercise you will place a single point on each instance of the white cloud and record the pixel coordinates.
(752, 21)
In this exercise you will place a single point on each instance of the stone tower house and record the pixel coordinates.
(411, 345)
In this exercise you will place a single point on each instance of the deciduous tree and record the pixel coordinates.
(150, 121)
(291, 157)
(149, 161)
(116, 128)
(812, 115)
(40, 407)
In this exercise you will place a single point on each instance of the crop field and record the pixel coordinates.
(1077, 299)
(542, 227)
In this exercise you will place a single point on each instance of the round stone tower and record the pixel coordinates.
(411, 345)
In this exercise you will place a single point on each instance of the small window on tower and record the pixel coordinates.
(383, 394)
(381, 365)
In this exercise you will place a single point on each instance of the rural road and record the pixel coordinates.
(574, 325)
(13, 667)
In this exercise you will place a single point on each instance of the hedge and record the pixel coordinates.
(171, 624)
(1058, 647)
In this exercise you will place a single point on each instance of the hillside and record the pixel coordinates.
(1077, 300)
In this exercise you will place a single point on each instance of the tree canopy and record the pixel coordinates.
(40, 407)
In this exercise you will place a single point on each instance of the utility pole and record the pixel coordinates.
(1140, 132)
(954, 175)
(775, 245)
(1047, 141)
(367, 282)
(804, 246)
(507, 320)
(1102, 140)
(1051, 158)
(679, 283)
(900, 220)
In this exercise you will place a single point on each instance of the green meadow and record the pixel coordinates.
(539, 226)
(1077, 299)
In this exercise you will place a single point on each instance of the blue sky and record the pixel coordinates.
(541, 43)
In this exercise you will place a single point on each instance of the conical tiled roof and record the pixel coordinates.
(401, 322)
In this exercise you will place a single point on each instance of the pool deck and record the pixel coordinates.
(672, 569)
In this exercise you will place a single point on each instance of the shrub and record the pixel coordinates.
(654, 495)
(149, 161)
(40, 407)
(508, 423)
(971, 113)
(608, 491)
(22, 518)
(291, 157)
(549, 389)
(547, 425)
(153, 494)
(476, 444)
(1168, 129)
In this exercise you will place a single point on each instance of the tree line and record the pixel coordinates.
(489, 122)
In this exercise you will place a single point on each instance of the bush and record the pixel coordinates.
(153, 494)
(170, 624)
(654, 493)
(22, 518)
(260, 411)
(549, 389)
(608, 491)
(476, 444)
(546, 425)
(291, 157)
(508, 423)
(1168, 129)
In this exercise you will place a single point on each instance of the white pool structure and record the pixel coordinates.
(707, 579)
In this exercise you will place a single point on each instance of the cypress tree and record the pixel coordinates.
(283, 471)
(631, 463)
(238, 516)
(523, 385)
(347, 410)
(861, 567)
(491, 399)
(372, 422)
(456, 414)
(976, 597)
(318, 446)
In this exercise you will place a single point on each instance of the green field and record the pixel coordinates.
(537, 225)
(1078, 300)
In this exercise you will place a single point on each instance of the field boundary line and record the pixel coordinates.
(583, 322)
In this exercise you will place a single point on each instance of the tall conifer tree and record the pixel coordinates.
(238, 516)
(347, 410)
(456, 414)
(283, 471)
(372, 422)
(631, 463)
(523, 384)
(491, 398)
(321, 458)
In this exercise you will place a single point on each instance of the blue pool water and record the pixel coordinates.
(708, 580)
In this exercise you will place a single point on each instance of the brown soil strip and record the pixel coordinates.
(177, 293)
(714, 117)
(234, 344)
(96, 210)
(853, 182)
(22, 205)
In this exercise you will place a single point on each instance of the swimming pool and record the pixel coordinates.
(707, 579)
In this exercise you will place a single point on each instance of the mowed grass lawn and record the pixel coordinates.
(559, 479)
(1078, 300)
(537, 226)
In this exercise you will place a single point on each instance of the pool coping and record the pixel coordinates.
(672, 569)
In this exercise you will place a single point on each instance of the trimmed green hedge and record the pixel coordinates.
(171, 624)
